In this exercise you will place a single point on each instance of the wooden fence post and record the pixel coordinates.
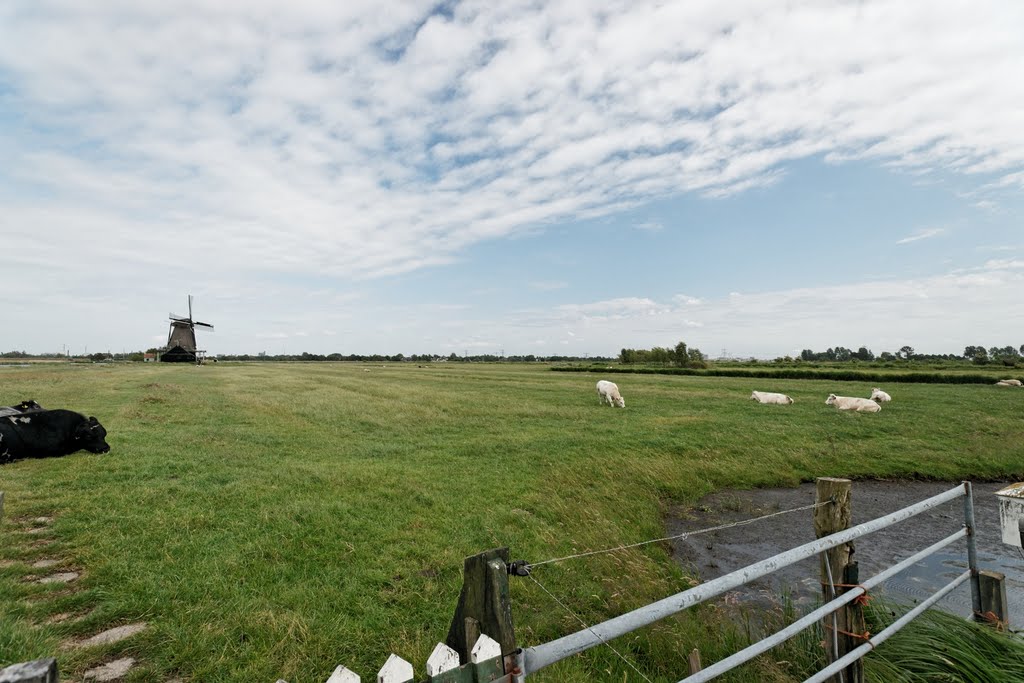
(484, 606)
(695, 665)
(828, 519)
(993, 599)
(855, 624)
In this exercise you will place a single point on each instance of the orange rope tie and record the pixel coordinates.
(861, 600)
(866, 636)
(992, 618)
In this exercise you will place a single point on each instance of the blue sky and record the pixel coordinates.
(554, 178)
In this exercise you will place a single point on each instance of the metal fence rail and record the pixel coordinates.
(532, 659)
(751, 651)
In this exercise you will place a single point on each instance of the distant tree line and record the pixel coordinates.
(979, 355)
(414, 358)
(680, 356)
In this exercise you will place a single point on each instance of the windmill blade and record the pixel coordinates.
(189, 306)
(204, 325)
(175, 316)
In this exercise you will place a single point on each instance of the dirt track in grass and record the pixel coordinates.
(717, 553)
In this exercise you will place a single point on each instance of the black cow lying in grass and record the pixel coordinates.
(28, 430)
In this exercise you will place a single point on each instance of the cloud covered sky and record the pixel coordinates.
(550, 178)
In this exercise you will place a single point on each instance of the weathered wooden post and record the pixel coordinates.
(695, 664)
(828, 519)
(484, 606)
(855, 622)
(993, 599)
(38, 671)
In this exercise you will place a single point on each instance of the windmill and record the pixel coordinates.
(181, 339)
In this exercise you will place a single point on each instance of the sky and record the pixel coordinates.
(550, 178)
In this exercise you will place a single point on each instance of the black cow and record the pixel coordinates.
(38, 433)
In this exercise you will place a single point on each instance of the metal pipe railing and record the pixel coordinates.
(748, 653)
(972, 549)
(540, 656)
(881, 637)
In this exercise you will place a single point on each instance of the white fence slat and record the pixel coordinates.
(395, 670)
(485, 648)
(343, 675)
(442, 659)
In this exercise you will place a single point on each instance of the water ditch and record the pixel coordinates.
(720, 552)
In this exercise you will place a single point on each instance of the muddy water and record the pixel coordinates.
(717, 553)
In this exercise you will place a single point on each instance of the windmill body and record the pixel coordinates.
(181, 339)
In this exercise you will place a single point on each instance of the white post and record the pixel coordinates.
(395, 670)
(442, 659)
(485, 648)
(343, 675)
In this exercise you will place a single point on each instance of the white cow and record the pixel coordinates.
(769, 397)
(608, 392)
(880, 396)
(861, 405)
(1008, 383)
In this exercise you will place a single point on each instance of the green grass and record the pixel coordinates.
(275, 520)
(943, 647)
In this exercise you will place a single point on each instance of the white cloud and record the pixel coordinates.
(218, 147)
(883, 314)
(649, 226)
(340, 144)
(922, 235)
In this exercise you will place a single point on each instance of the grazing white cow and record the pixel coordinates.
(861, 405)
(1008, 383)
(769, 397)
(608, 392)
(880, 396)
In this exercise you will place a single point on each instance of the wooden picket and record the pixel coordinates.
(443, 666)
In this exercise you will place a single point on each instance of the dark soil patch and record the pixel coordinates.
(720, 552)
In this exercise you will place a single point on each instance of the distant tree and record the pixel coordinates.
(976, 354)
(680, 356)
(807, 354)
(1006, 355)
(661, 355)
(864, 353)
(843, 354)
(905, 353)
(697, 359)
(1004, 352)
(886, 356)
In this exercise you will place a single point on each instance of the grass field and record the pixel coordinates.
(275, 520)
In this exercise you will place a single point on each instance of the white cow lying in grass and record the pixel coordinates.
(608, 392)
(861, 405)
(769, 397)
(1008, 383)
(880, 396)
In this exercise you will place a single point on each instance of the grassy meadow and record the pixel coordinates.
(275, 520)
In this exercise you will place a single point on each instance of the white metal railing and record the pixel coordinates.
(532, 659)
